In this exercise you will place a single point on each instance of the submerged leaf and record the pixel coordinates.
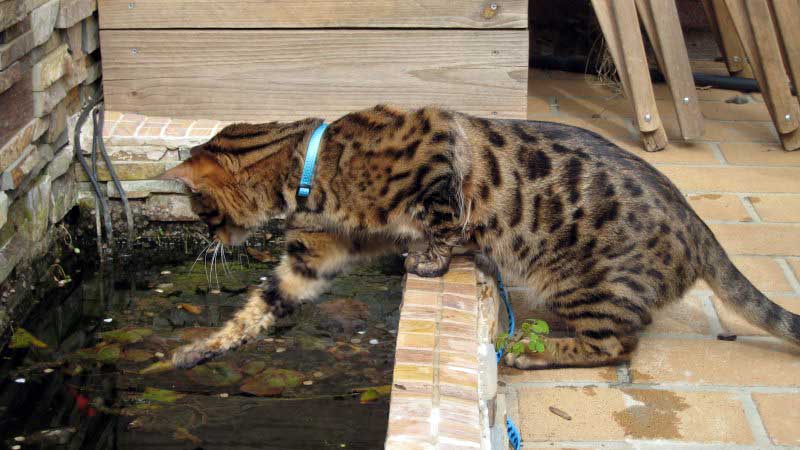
(157, 367)
(191, 309)
(126, 335)
(161, 395)
(271, 382)
(254, 367)
(103, 352)
(22, 338)
(182, 434)
(215, 374)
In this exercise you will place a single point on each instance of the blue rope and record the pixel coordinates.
(513, 433)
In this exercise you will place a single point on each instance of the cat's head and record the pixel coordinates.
(240, 178)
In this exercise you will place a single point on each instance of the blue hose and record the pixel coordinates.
(513, 433)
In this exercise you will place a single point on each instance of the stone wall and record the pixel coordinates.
(49, 68)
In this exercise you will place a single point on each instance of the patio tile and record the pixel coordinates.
(609, 128)
(719, 207)
(775, 208)
(759, 154)
(794, 263)
(758, 239)
(735, 112)
(728, 131)
(617, 414)
(781, 415)
(734, 178)
(675, 153)
(709, 362)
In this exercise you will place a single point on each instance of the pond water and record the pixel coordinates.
(319, 379)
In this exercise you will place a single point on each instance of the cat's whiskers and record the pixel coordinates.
(224, 261)
(203, 253)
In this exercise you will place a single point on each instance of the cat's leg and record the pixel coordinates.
(312, 260)
(606, 328)
(443, 232)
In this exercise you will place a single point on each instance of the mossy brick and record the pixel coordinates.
(170, 208)
(144, 188)
(31, 212)
(73, 11)
(64, 195)
(43, 21)
(10, 76)
(31, 161)
(62, 160)
(51, 68)
(14, 147)
(11, 253)
(125, 171)
(18, 29)
(16, 49)
(3, 209)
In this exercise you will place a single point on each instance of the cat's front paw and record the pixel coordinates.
(190, 355)
(427, 264)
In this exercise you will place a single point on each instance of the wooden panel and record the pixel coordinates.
(117, 14)
(284, 75)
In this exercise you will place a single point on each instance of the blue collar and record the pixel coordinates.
(311, 160)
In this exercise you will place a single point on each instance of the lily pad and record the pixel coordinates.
(136, 355)
(105, 353)
(215, 374)
(271, 382)
(161, 395)
(254, 367)
(370, 395)
(24, 339)
(126, 335)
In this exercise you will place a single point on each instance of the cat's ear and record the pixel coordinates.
(198, 172)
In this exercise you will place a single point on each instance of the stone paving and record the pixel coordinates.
(684, 387)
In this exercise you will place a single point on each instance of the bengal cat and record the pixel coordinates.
(601, 236)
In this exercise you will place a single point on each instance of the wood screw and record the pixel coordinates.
(131, 5)
(493, 6)
(648, 117)
(685, 100)
(134, 51)
(788, 117)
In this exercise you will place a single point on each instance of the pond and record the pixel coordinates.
(71, 376)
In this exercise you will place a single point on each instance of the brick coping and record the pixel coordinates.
(442, 391)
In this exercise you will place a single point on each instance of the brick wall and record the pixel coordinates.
(49, 67)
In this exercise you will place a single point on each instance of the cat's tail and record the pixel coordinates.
(244, 326)
(739, 293)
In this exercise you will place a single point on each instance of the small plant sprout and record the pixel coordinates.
(534, 330)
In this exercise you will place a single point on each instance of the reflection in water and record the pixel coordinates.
(291, 389)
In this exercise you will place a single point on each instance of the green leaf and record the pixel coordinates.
(271, 382)
(370, 395)
(526, 327)
(518, 348)
(161, 395)
(540, 326)
(106, 353)
(24, 339)
(501, 342)
(540, 347)
(126, 335)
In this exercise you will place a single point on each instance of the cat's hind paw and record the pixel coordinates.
(427, 264)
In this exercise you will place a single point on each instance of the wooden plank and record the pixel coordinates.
(787, 15)
(727, 38)
(116, 14)
(289, 74)
(652, 140)
(667, 39)
(774, 88)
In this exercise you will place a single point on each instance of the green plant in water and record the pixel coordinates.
(534, 330)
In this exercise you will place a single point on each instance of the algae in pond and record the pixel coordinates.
(87, 387)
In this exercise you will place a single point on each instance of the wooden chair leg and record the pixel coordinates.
(727, 39)
(787, 15)
(666, 37)
(753, 22)
(627, 50)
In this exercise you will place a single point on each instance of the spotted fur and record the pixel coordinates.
(601, 236)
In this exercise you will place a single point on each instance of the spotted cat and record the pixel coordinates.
(601, 236)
